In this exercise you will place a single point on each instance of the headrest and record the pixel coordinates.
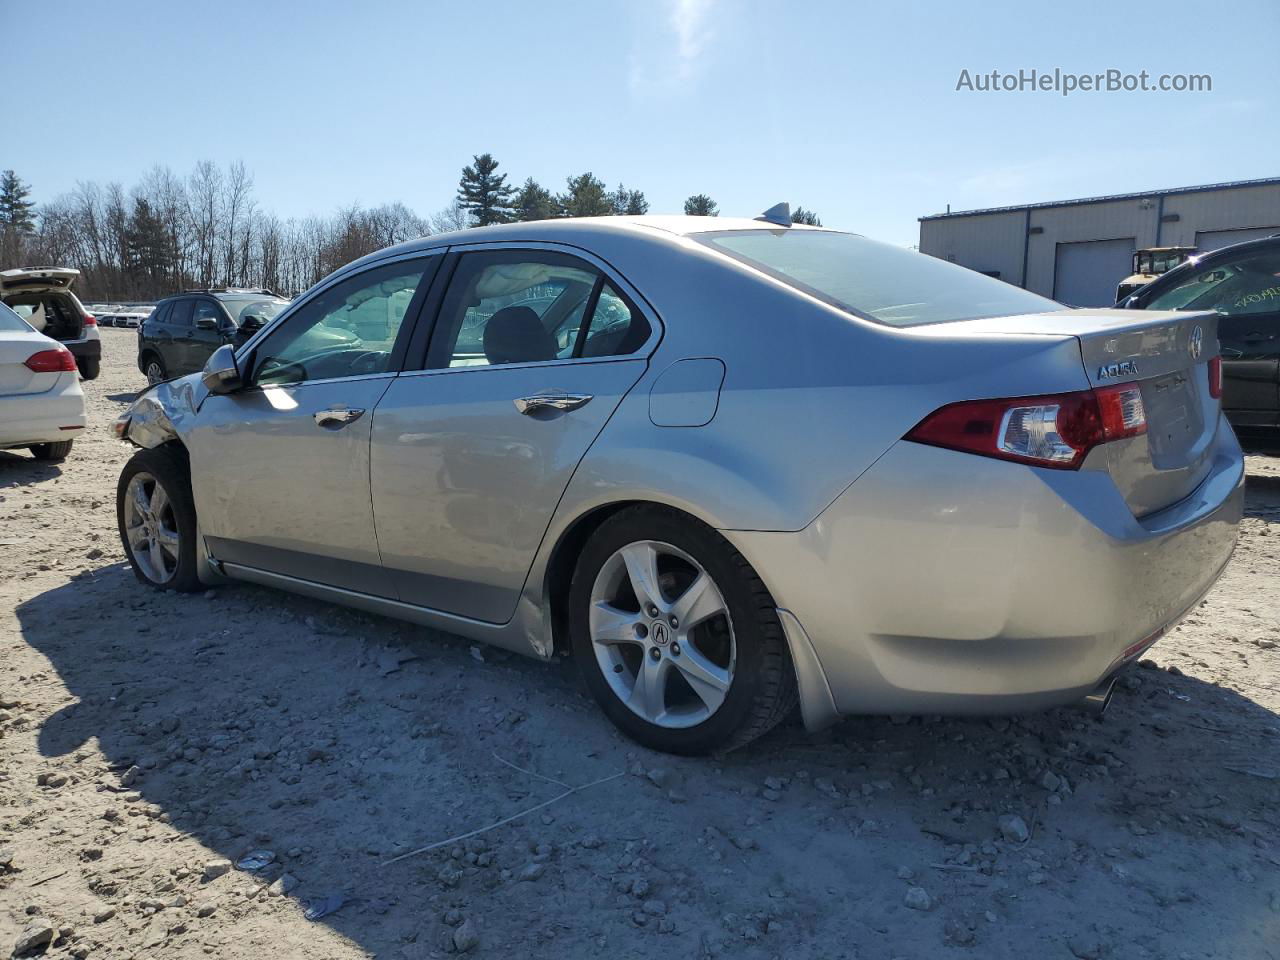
(516, 335)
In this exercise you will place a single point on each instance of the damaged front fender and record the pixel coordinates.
(161, 413)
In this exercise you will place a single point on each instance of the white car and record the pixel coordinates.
(41, 403)
(42, 296)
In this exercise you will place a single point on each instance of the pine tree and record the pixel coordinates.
(534, 202)
(700, 205)
(16, 222)
(586, 197)
(630, 203)
(149, 243)
(485, 192)
(807, 217)
(15, 208)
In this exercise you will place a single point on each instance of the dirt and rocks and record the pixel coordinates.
(231, 774)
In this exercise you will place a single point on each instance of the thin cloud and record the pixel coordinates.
(689, 21)
(673, 64)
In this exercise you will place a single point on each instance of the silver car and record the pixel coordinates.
(725, 464)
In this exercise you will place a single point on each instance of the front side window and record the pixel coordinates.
(206, 310)
(528, 307)
(875, 281)
(351, 329)
(1234, 288)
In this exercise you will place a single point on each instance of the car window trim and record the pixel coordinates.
(588, 314)
(248, 354)
(416, 362)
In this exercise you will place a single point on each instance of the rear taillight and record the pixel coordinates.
(1056, 431)
(51, 361)
(90, 320)
(1215, 377)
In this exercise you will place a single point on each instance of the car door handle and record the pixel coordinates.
(337, 416)
(551, 401)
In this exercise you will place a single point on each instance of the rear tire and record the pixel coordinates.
(58, 450)
(153, 369)
(725, 677)
(157, 519)
(89, 367)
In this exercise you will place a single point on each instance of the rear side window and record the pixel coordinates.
(1235, 288)
(180, 313)
(875, 281)
(531, 307)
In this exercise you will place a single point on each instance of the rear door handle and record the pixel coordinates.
(337, 416)
(551, 401)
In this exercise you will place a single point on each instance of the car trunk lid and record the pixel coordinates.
(37, 279)
(16, 378)
(1167, 354)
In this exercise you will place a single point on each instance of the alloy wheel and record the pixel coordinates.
(155, 373)
(151, 528)
(661, 633)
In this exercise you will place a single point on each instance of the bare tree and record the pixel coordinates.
(453, 217)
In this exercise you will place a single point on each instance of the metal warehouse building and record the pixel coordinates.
(1077, 251)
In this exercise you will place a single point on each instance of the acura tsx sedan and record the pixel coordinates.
(727, 465)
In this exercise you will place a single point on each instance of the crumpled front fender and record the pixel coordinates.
(162, 413)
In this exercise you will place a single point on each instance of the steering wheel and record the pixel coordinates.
(371, 361)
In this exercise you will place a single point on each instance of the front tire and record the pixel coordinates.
(58, 450)
(676, 636)
(157, 520)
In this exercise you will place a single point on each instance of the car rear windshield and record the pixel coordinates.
(875, 281)
(11, 321)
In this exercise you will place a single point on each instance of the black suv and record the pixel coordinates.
(178, 337)
(1242, 283)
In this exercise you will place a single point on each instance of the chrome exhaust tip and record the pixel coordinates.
(1097, 701)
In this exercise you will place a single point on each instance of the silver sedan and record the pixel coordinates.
(727, 465)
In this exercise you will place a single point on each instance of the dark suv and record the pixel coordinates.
(1242, 283)
(178, 337)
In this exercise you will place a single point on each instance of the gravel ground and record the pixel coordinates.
(148, 742)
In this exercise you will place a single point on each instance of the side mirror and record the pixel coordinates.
(222, 374)
(206, 323)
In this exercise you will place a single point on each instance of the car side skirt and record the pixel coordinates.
(516, 635)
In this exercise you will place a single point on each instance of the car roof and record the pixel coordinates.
(578, 231)
(676, 225)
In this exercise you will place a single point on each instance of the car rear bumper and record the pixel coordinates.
(43, 417)
(90, 348)
(949, 583)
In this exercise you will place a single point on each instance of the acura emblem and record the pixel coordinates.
(1196, 343)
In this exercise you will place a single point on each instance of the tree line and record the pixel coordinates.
(206, 229)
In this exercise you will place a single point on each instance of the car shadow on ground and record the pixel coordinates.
(1260, 443)
(249, 719)
(22, 469)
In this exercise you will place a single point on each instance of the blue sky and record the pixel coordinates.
(847, 107)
